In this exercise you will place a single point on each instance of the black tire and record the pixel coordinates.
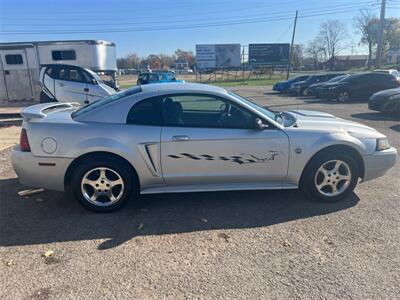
(44, 98)
(308, 181)
(130, 183)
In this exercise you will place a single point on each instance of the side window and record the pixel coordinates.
(146, 112)
(14, 59)
(206, 111)
(70, 74)
(153, 77)
(63, 55)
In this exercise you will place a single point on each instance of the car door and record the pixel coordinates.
(208, 140)
(70, 85)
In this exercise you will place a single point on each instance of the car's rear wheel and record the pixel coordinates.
(103, 185)
(330, 176)
(343, 96)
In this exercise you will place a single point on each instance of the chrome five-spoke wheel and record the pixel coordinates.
(102, 186)
(333, 178)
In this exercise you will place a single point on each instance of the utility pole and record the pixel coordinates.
(291, 45)
(381, 32)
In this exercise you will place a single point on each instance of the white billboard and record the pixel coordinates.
(217, 56)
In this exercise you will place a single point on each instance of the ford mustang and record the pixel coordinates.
(172, 137)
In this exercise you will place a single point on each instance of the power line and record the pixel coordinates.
(225, 11)
(281, 14)
(187, 26)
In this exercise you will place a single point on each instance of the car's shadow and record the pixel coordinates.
(56, 217)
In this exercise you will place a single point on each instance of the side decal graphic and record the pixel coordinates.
(243, 158)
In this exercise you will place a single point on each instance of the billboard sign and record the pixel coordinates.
(218, 56)
(269, 54)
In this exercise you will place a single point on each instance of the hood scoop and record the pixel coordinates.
(310, 113)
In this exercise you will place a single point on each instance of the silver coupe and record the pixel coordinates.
(174, 137)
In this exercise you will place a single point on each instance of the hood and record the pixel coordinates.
(315, 120)
(108, 89)
(298, 83)
(314, 85)
(387, 93)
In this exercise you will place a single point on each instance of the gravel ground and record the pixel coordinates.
(253, 244)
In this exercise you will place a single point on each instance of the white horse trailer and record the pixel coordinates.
(20, 64)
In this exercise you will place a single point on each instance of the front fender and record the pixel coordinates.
(302, 149)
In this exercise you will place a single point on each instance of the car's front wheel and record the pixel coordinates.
(330, 176)
(343, 97)
(102, 185)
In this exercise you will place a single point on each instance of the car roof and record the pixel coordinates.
(181, 87)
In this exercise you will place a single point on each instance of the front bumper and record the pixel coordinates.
(378, 163)
(39, 172)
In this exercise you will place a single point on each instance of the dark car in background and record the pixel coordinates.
(283, 86)
(359, 86)
(299, 88)
(387, 101)
(156, 77)
(313, 90)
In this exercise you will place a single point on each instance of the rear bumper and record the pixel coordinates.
(39, 172)
(376, 164)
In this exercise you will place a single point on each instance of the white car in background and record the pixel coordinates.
(68, 83)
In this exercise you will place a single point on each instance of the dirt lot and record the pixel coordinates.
(259, 244)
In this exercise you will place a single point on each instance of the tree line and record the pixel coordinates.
(332, 39)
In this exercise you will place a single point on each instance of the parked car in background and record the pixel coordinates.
(387, 101)
(300, 88)
(313, 90)
(283, 86)
(69, 83)
(393, 72)
(168, 138)
(156, 77)
(359, 86)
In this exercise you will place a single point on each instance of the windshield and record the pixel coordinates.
(337, 78)
(259, 108)
(105, 100)
(95, 75)
(350, 77)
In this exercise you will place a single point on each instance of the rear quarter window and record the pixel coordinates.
(105, 101)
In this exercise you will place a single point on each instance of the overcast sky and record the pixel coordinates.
(161, 26)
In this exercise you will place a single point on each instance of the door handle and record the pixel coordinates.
(60, 84)
(180, 138)
(86, 89)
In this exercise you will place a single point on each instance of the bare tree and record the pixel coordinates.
(366, 24)
(333, 34)
(315, 49)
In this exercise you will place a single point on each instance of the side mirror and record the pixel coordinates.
(259, 124)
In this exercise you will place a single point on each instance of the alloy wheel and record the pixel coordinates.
(333, 178)
(343, 97)
(102, 186)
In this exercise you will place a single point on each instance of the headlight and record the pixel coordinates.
(331, 88)
(382, 144)
(397, 96)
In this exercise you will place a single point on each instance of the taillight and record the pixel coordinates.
(23, 141)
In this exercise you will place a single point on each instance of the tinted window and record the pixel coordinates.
(106, 100)
(146, 112)
(207, 111)
(63, 55)
(14, 59)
